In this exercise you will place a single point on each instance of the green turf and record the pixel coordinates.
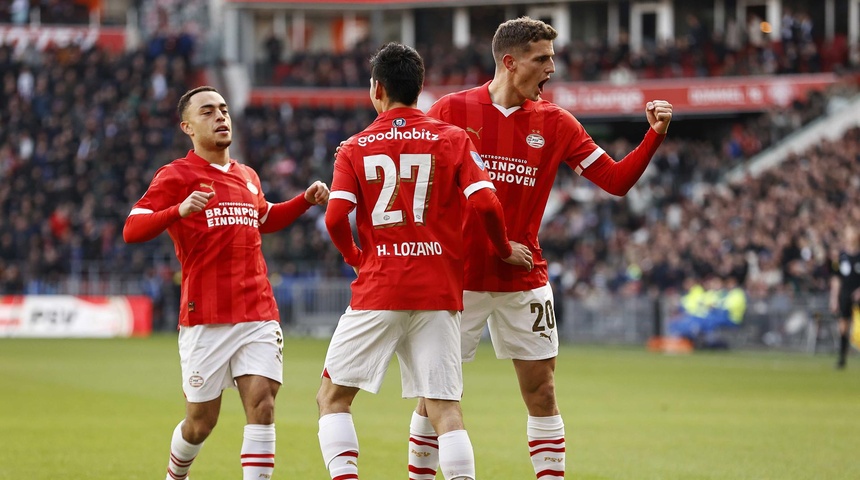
(105, 409)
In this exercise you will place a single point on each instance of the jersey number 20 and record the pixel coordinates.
(414, 167)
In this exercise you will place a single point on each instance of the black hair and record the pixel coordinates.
(400, 69)
(186, 99)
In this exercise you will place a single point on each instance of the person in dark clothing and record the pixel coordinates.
(845, 288)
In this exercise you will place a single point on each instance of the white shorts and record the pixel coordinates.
(522, 324)
(427, 344)
(212, 356)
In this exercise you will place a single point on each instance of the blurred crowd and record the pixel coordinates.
(697, 52)
(776, 233)
(83, 131)
(67, 12)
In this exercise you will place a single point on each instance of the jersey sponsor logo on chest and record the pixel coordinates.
(397, 134)
(231, 213)
(510, 170)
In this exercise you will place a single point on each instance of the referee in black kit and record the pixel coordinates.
(845, 288)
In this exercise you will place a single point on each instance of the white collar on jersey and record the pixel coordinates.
(506, 111)
(223, 168)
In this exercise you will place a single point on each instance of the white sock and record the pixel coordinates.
(258, 452)
(182, 454)
(423, 449)
(339, 445)
(456, 457)
(546, 446)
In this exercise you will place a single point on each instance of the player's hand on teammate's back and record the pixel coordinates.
(659, 114)
(337, 149)
(194, 203)
(317, 193)
(521, 255)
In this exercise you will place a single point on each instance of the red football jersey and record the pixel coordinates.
(407, 174)
(523, 148)
(224, 274)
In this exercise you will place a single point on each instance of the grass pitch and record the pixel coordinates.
(105, 409)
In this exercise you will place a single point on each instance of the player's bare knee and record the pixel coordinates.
(541, 396)
(321, 398)
(195, 431)
(325, 400)
(262, 412)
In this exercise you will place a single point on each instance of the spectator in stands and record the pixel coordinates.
(99, 168)
(706, 310)
(695, 53)
(19, 11)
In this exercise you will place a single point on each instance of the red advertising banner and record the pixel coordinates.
(688, 96)
(63, 316)
(107, 38)
(718, 95)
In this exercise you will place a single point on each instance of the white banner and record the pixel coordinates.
(73, 316)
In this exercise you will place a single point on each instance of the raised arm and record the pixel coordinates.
(619, 177)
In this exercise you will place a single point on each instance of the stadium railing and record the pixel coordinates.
(312, 307)
(779, 321)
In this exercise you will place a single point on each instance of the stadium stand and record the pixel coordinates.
(85, 128)
(695, 53)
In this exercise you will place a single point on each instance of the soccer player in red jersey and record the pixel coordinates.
(409, 178)
(523, 140)
(229, 329)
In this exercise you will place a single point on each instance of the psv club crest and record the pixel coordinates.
(535, 140)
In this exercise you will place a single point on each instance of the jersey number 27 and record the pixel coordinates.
(414, 167)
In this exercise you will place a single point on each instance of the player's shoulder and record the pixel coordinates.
(246, 169)
(446, 99)
(552, 108)
(562, 118)
(189, 161)
(352, 141)
(438, 124)
(445, 130)
(347, 147)
(174, 167)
